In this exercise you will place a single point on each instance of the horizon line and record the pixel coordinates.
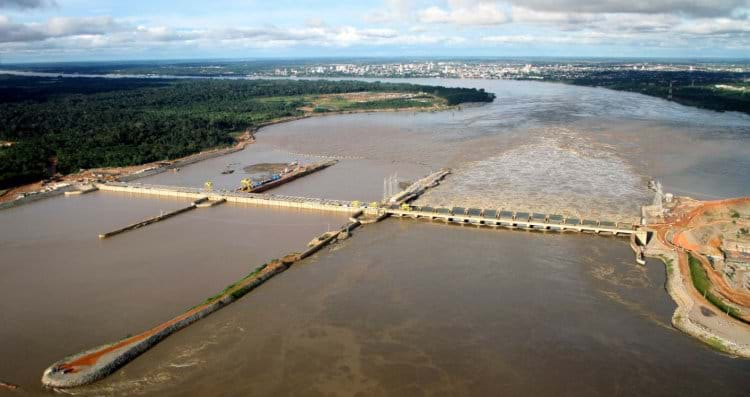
(384, 57)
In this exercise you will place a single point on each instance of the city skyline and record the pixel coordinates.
(84, 30)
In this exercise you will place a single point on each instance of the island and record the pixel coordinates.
(60, 126)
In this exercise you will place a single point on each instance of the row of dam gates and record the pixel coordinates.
(398, 206)
(94, 364)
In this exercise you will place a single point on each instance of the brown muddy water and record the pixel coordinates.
(403, 307)
(583, 152)
(406, 308)
(540, 147)
(62, 290)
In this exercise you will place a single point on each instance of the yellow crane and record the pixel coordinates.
(247, 184)
(208, 186)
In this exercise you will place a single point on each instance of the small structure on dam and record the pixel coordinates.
(286, 176)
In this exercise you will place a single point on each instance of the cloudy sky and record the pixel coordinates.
(65, 30)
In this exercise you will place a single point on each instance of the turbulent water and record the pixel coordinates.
(560, 173)
(403, 307)
(542, 147)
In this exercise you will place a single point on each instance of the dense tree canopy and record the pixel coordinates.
(99, 122)
(698, 88)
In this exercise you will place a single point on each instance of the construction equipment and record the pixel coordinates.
(208, 186)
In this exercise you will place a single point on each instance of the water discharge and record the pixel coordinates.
(404, 307)
(558, 174)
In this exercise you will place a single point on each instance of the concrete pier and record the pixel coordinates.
(265, 200)
(417, 188)
(203, 202)
(154, 219)
(211, 203)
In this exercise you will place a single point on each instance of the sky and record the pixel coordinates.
(81, 30)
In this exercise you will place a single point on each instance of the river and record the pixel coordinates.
(63, 290)
(404, 307)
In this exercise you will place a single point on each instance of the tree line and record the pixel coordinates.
(696, 88)
(99, 122)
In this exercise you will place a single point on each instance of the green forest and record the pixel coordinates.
(98, 122)
(700, 89)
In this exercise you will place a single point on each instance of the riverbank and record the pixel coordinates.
(692, 231)
(36, 191)
(693, 314)
(184, 116)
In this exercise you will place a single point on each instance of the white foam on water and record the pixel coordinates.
(560, 172)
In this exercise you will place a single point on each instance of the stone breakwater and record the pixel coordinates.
(97, 363)
(195, 204)
(36, 197)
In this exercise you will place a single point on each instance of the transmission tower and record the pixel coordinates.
(390, 186)
(658, 197)
(669, 97)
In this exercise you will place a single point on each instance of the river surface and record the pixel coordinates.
(540, 147)
(406, 308)
(63, 290)
(403, 307)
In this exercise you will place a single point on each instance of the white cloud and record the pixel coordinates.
(55, 27)
(483, 13)
(576, 39)
(526, 15)
(26, 4)
(715, 26)
(60, 26)
(649, 23)
(105, 32)
(407, 23)
(685, 7)
(392, 11)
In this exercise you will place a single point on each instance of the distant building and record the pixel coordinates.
(737, 262)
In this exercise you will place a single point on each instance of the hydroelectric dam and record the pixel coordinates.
(397, 206)
(91, 365)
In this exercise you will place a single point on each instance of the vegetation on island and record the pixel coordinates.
(80, 123)
(720, 91)
(703, 285)
(338, 103)
(230, 289)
